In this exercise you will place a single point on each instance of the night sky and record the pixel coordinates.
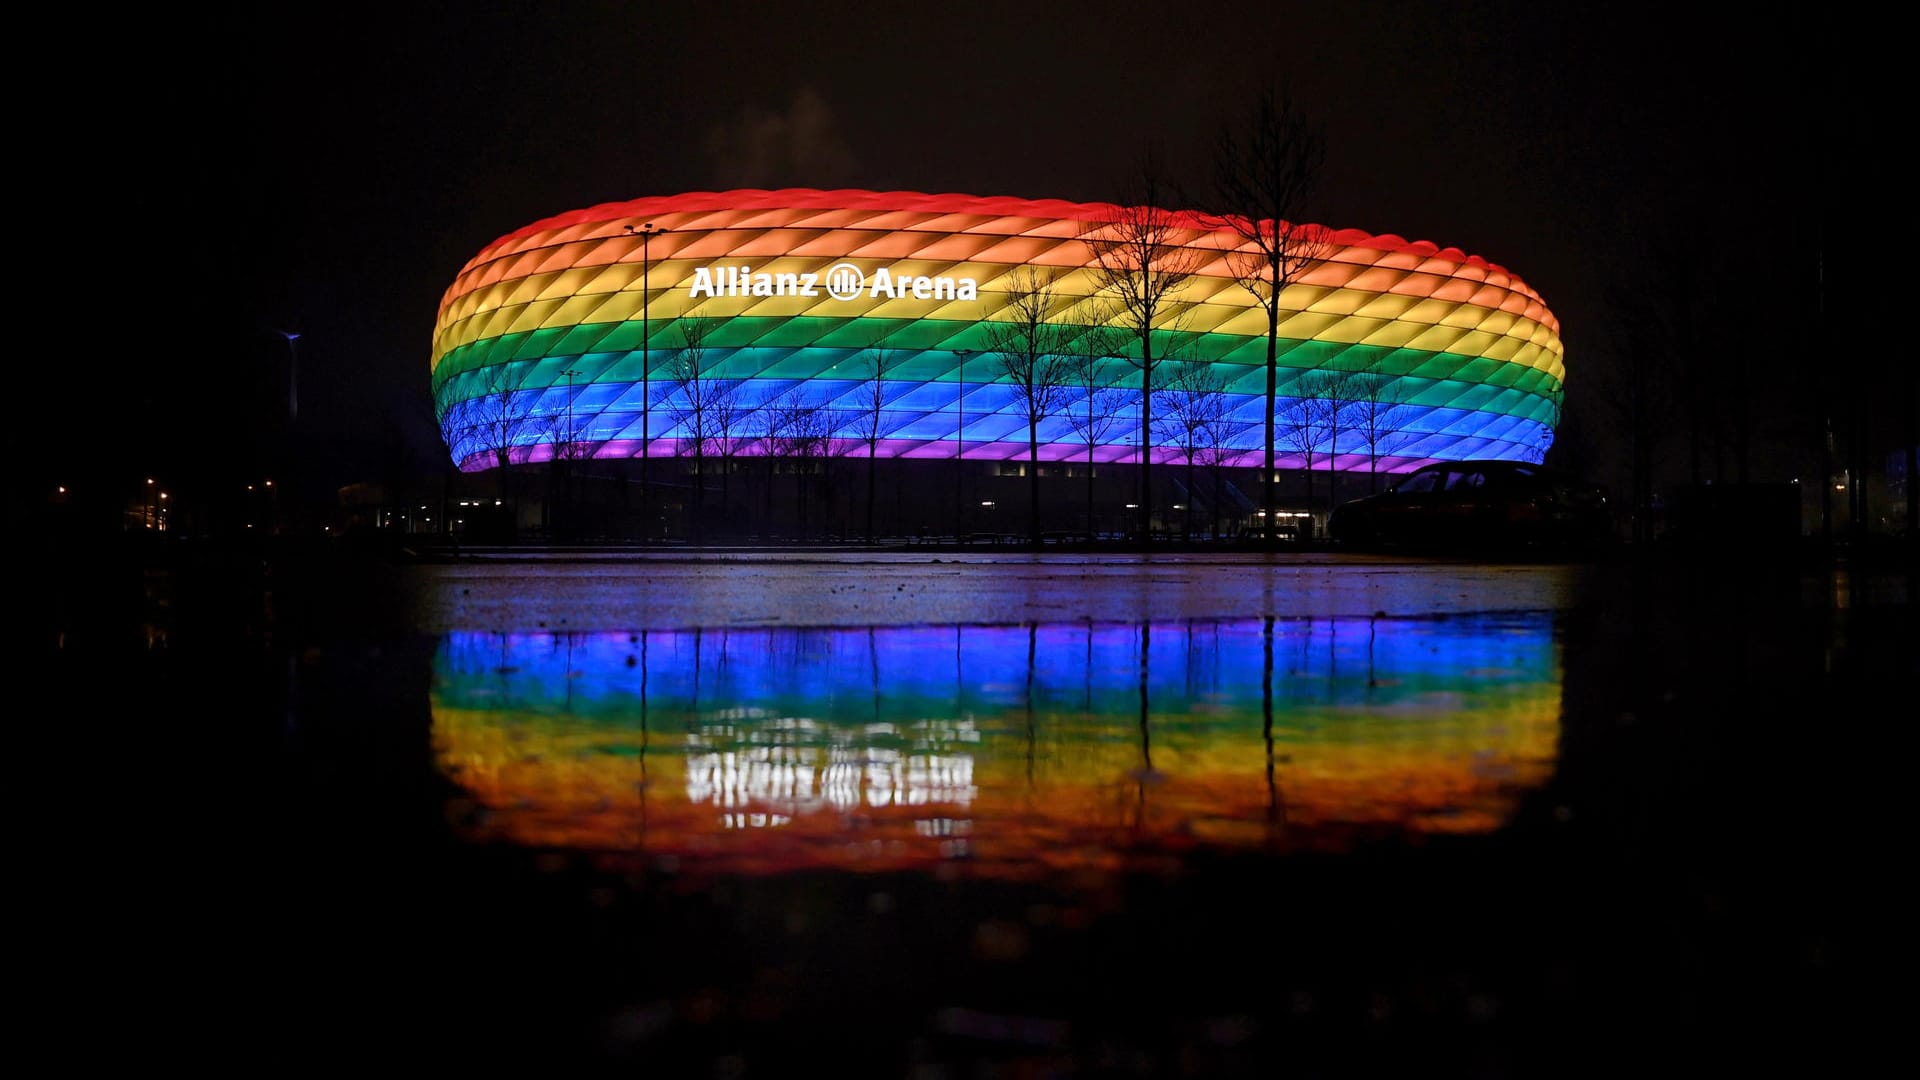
(328, 168)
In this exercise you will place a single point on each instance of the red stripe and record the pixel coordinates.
(919, 202)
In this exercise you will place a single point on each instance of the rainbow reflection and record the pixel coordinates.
(1000, 750)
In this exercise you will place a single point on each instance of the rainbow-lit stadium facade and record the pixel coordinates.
(549, 318)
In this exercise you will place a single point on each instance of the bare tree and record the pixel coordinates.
(838, 439)
(451, 417)
(502, 414)
(763, 426)
(489, 411)
(456, 421)
(695, 397)
(1220, 437)
(730, 412)
(798, 432)
(1299, 429)
(1340, 389)
(1263, 176)
(1032, 349)
(562, 429)
(872, 421)
(810, 434)
(1379, 413)
(1141, 261)
(1320, 410)
(1191, 400)
(1098, 397)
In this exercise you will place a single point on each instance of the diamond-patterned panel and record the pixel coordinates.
(1467, 358)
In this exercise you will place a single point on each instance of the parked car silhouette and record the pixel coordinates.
(1479, 505)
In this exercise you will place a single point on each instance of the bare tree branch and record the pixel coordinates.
(1031, 349)
(1379, 413)
(1192, 402)
(1096, 376)
(1141, 260)
(487, 413)
(1263, 175)
(872, 421)
(698, 399)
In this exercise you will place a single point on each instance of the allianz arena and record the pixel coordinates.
(543, 332)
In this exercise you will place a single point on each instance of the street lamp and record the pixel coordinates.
(960, 439)
(960, 430)
(570, 373)
(293, 376)
(646, 233)
(567, 453)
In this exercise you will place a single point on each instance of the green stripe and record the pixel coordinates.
(815, 345)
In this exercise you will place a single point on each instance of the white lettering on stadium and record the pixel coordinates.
(843, 282)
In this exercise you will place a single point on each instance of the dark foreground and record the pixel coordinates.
(287, 875)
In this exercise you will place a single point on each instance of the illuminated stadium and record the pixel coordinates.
(569, 337)
(724, 340)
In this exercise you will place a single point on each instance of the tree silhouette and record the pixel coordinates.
(1264, 172)
(489, 412)
(1191, 402)
(1095, 377)
(871, 421)
(1033, 351)
(1379, 410)
(696, 396)
(1320, 409)
(1141, 260)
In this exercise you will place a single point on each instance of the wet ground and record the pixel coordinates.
(939, 815)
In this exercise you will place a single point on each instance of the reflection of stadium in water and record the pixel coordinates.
(799, 767)
(1016, 748)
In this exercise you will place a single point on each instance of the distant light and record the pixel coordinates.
(62, 489)
(1133, 506)
(163, 494)
(496, 502)
(1179, 506)
(149, 479)
(249, 487)
(986, 502)
(1836, 487)
(269, 483)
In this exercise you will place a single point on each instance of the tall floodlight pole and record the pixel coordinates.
(570, 373)
(293, 376)
(646, 233)
(960, 439)
(566, 452)
(293, 416)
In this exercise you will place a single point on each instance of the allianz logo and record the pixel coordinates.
(842, 281)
